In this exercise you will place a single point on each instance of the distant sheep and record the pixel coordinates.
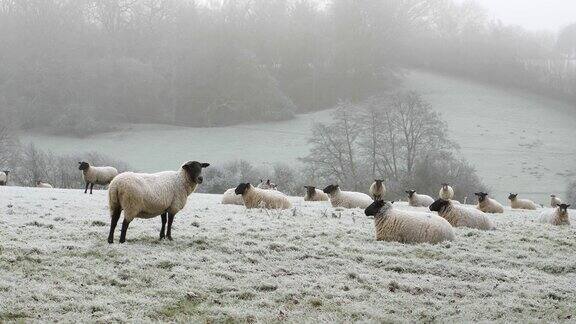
(268, 185)
(557, 216)
(4, 177)
(96, 175)
(143, 195)
(378, 190)
(555, 201)
(446, 192)
(347, 199)
(262, 198)
(40, 184)
(313, 194)
(462, 216)
(516, 203)
(417, 200)
(231, 198)
(488, 205)
(408, 227)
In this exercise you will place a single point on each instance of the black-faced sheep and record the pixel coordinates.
(557, 216)
(96, 175)
(408, 227)
(516, 203)
(488, 205)
(262, 198)
(462, 216)
(143, 195)
(313, 194)
(347, 199)
(417, 200)
(231, 198)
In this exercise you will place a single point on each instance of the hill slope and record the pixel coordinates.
(230, 264)
(518, 142)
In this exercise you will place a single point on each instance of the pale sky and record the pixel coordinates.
(532, 14)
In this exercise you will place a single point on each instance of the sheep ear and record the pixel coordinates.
(205, 165)
(567, 206)
(392, 202)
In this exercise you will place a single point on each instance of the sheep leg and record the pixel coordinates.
(164, 216)
(169, 231)
(86, 190)
(125, 224)
(115, 217)
(91, 187)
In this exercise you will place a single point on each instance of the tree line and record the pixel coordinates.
(78, 67)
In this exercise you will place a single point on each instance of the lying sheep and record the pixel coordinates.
(40, 184)
(555, 201)
(378, 190)
(557, 216)
(4, 177)
(347, 199)
(313, 194)
(231, 198)
(488, 205)
(446, 192)
(96, 175)
(268, 185)
(461, 216)
(417, 200)
(143, 195)
(408, 227)
(516, 203)
(262, 198)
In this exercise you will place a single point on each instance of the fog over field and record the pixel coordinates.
(408, 120)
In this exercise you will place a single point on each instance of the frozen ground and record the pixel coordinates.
(519, 142)
(308, 264)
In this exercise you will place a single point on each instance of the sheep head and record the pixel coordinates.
(194, 170)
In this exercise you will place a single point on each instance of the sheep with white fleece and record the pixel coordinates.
(516, 203)
(4, 177)
(488, 205)
(262, 198)
(462, 216)
(231, 198)
(143, 195)
(313, 194)
(40, 184)
(377, 190)
(446, 192)
(347, 199)
(555, 201)
(558, 216)
(96, 175)
(417, 200)
(408, 227)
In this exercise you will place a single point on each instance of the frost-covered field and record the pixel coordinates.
(311, 263)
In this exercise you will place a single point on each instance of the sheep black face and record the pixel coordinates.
(194, 170)
(512, 196)
(376, 207)
(330, 189)
(83, 166)
(410, 193)
(378, 183)
(242, 188)
(310, 190)
(563, 208)
(445, 185)
(439, 205)
(481, 196)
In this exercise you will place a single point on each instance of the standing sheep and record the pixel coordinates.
(347, 199)
(408, 227)
(313, 194)
(555, 201)
(231, 198)
(262, 198)
(96, 175)
(446, 192)
(417, 200)
(461, 216)
(378, 190)
(488, 205)
(557, 216)
(143, 195)
(40, 184)
(4, 177)
(516, 203)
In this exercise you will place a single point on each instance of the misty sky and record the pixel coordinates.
(532, 14)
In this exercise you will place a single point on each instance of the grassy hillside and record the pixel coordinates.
(518, 142)
(229, 264)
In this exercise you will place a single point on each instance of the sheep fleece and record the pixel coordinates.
(99, 175)
(406, 227)
(350, 199)
(420, 200)
(461, 216)
(231, 198)
(491, 206)
(268, 199)
(319, 195)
